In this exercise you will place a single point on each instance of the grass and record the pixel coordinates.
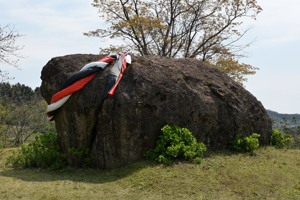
(269, 174)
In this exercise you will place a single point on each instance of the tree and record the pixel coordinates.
(23, 121)
(9, 50)
(22, 114)
(234, 69)
(17, 93)
(204, 29)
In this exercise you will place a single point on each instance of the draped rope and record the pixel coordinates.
(77, 81)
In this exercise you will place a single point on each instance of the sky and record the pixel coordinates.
(55, 28)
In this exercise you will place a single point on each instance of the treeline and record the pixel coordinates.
(22, 114)
(18, 93)
(279, 118)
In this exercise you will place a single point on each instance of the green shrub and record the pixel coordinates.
(177, 144)
(297, 142)
(79, 156)
(43, 152)
(246, 144)
(280, 139)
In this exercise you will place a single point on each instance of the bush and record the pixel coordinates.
(43, 152)
(79, 156)
(281, 140)
(247, 144)
(177, 144)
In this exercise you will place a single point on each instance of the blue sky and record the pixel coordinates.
(54, 28)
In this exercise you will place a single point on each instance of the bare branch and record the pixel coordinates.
(8, 46)
(202, 29)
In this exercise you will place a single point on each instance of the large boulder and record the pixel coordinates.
(153, 92)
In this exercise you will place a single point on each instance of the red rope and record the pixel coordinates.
(113, 89)
(78, 85)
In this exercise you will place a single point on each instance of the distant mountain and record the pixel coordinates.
(277, 117)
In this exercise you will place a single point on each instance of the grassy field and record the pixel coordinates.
(270, 174)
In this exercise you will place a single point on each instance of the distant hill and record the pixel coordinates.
(277, 117)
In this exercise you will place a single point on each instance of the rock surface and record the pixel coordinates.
(154, 91)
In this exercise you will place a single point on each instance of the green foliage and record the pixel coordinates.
(22, 114)
(290, 133)
(177, 144)
(297, 142)
(280, 139)
(233, 68)
(43, 152)
(79, 156)
(17, 93)
(246, 144)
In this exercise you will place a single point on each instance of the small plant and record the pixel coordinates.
(43, 152)
(79, 156)
(280, 139)
(247, 144)
(177, 144)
